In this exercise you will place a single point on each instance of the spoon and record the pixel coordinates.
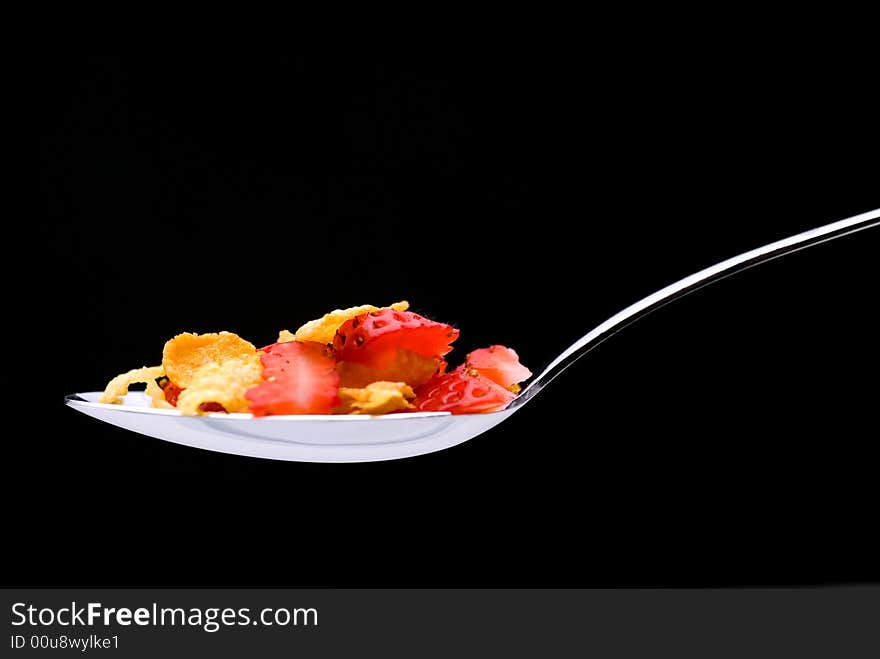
(354, 438)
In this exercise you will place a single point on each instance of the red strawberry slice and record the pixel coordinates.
(499, 364)
(169, 390)
(408, 367)
(463, 391)
(373, 339)
(300, 378)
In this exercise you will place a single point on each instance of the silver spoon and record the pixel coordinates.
(352, 438)
(690, 284)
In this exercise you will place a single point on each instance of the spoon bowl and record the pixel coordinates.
(303, 437)
(355, 438)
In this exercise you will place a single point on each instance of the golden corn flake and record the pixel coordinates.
(375, 398)
(118, 386)
(285, 336)
(408, 366)
(324, 329)
(222, 382)
(186, 354)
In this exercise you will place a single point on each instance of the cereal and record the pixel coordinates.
(186, 353)
(361, 360)
(118, 386)
(375, 398)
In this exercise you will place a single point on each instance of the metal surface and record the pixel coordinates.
(690, 284)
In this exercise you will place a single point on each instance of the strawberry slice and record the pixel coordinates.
(300, 378)
(408, 367)
(169, 390)
(499, 364)
(463, 391)
(393, 346)
(373, 339)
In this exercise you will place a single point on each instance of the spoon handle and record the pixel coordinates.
(690, 284)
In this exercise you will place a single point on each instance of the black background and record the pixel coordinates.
(724, 440)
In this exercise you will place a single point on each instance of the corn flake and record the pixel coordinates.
(118, 386)
(224, 383)
(186, 354)
(375, 398)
